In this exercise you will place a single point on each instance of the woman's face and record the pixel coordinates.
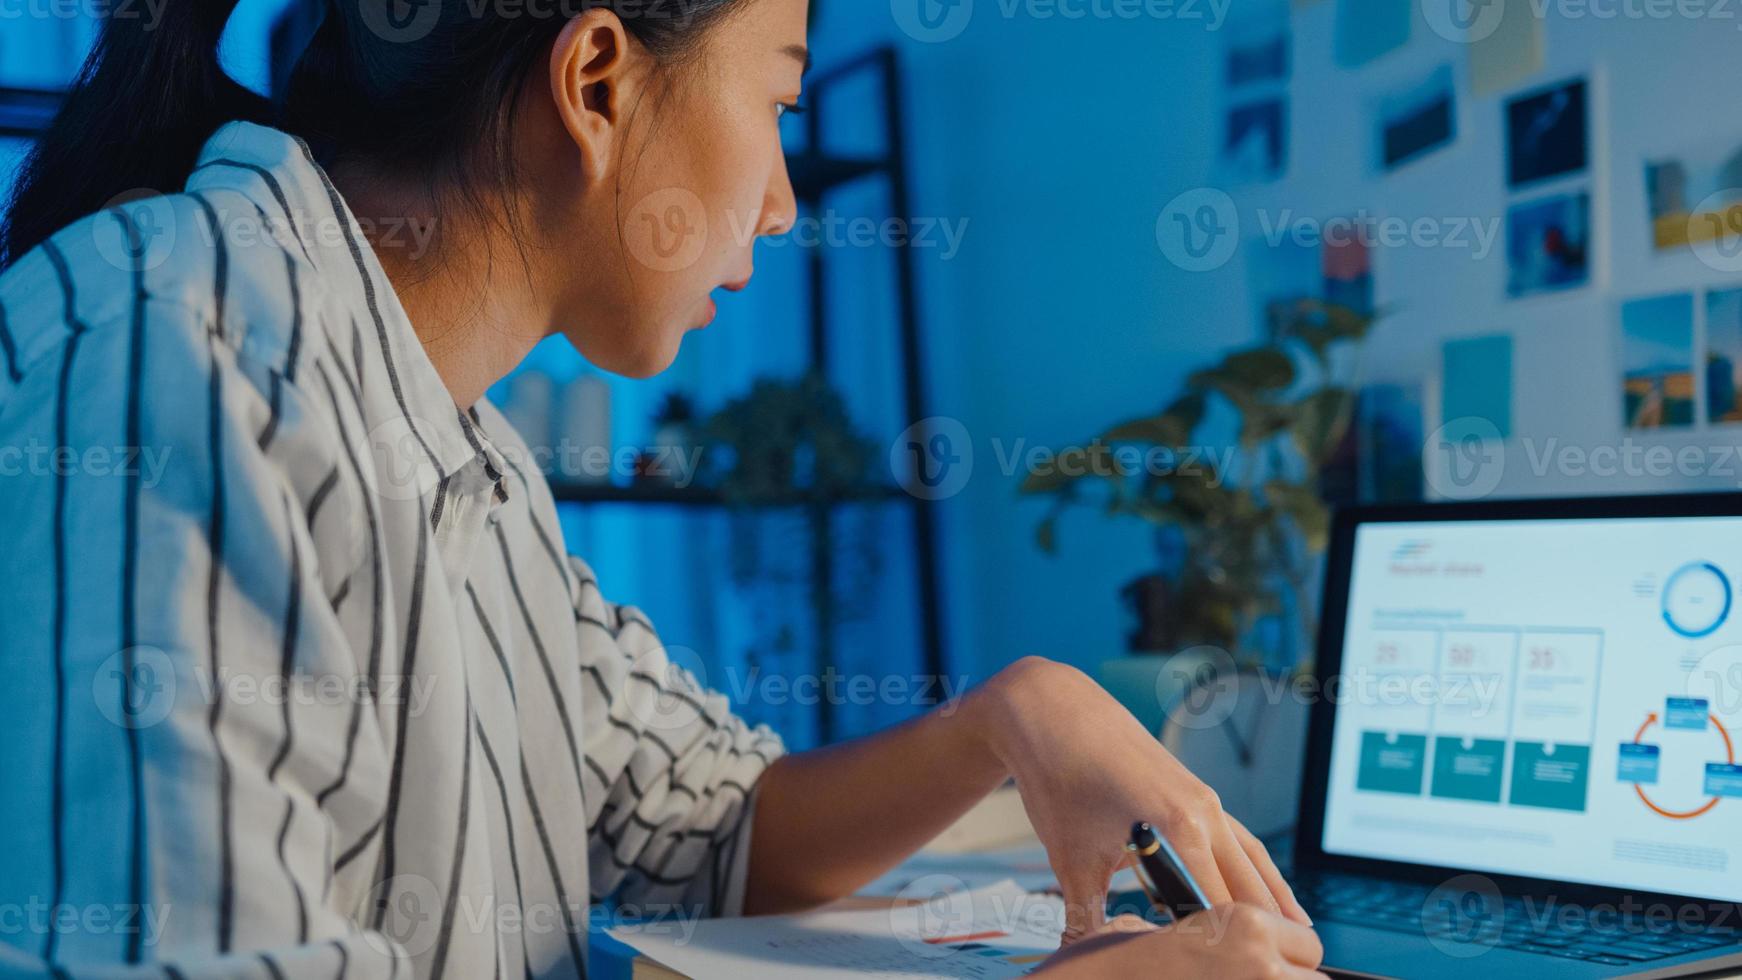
(691, 175)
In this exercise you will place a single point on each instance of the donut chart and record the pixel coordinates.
(1697, 599)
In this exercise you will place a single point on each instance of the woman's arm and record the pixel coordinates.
(831, 820)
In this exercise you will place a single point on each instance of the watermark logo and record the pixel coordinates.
(673, 676)
(404, 469)
(1464, 459)
(945, 909)
(1715, 229)
(400, 21)
(409, 907)
(1199, 230)
(1464, 21)
(136, 231)
(668, 230)
(933, 459)
(932, 21)
(1463, 918)
(135, 687)
(1199, 688)
(1717, 680)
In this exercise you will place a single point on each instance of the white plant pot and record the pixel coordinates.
(1242, 732)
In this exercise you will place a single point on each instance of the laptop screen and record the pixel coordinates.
(1557, 699)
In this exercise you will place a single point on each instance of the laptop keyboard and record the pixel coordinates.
(1549, 930)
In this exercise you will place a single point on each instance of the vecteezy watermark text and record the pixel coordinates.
(95, 11)
(834, 230)
(36, 458)
(937, 21)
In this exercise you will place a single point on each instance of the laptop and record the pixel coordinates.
(1524, 761)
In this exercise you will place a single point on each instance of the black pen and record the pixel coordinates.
(1170, 887)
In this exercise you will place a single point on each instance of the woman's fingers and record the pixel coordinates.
(1242, 877)
(1127, 923)
(1279, 887)
(1201, 863)
(1298, 944)
(1085, 894)
(1194, 832)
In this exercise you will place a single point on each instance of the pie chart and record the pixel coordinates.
(1696, 600)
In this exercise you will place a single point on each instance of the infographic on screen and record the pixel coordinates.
(1555, 699)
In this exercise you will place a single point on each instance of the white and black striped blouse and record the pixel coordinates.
(296, 678)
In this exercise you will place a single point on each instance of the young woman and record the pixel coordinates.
(299, 682)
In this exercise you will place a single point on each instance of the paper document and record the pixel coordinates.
(1027, 866)
(986, 934)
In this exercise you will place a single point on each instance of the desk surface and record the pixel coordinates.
(998, 822)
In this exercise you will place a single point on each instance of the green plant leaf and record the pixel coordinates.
(1321, 422)
(1263, 421)
(1163, 430)
(1173, 427)
(1063, 471)
(1256, 369)
(1189, 409)
(1320, 325)
(1040, 482)
(1305, 508)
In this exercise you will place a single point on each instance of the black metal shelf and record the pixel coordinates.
(814, 175)
(26, 112)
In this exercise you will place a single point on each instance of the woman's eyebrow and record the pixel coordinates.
(799, 52)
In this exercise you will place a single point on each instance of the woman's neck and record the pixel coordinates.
(471, 301)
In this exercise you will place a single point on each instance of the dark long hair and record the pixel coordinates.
(425, 87)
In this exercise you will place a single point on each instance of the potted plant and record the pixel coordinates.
(1239, 530)
(1238, 533)
(786, 457)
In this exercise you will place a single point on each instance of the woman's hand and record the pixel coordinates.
(1087, 770)
(1237, 942)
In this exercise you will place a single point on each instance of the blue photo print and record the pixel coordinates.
(1547, 134)
(1548, 245)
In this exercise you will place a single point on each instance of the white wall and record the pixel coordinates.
(1657, 87)
(1062, 140)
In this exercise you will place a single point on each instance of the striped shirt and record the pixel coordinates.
(299, 679)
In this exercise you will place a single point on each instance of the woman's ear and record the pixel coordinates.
(593, 69)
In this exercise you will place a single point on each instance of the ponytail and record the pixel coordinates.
(134, 120)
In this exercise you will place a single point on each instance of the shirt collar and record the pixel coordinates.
(279, 175)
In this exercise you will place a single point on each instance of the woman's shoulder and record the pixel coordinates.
(206, 259)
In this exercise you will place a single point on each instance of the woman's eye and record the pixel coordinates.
(788, 108)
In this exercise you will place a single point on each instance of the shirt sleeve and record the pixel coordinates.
(184, 799)
(671, 826)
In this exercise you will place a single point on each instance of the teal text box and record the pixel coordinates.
(1638, 763)
(1392, 763)
(1723, 779)
(1555, 779)
(1686, 714)
(1468, 772)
